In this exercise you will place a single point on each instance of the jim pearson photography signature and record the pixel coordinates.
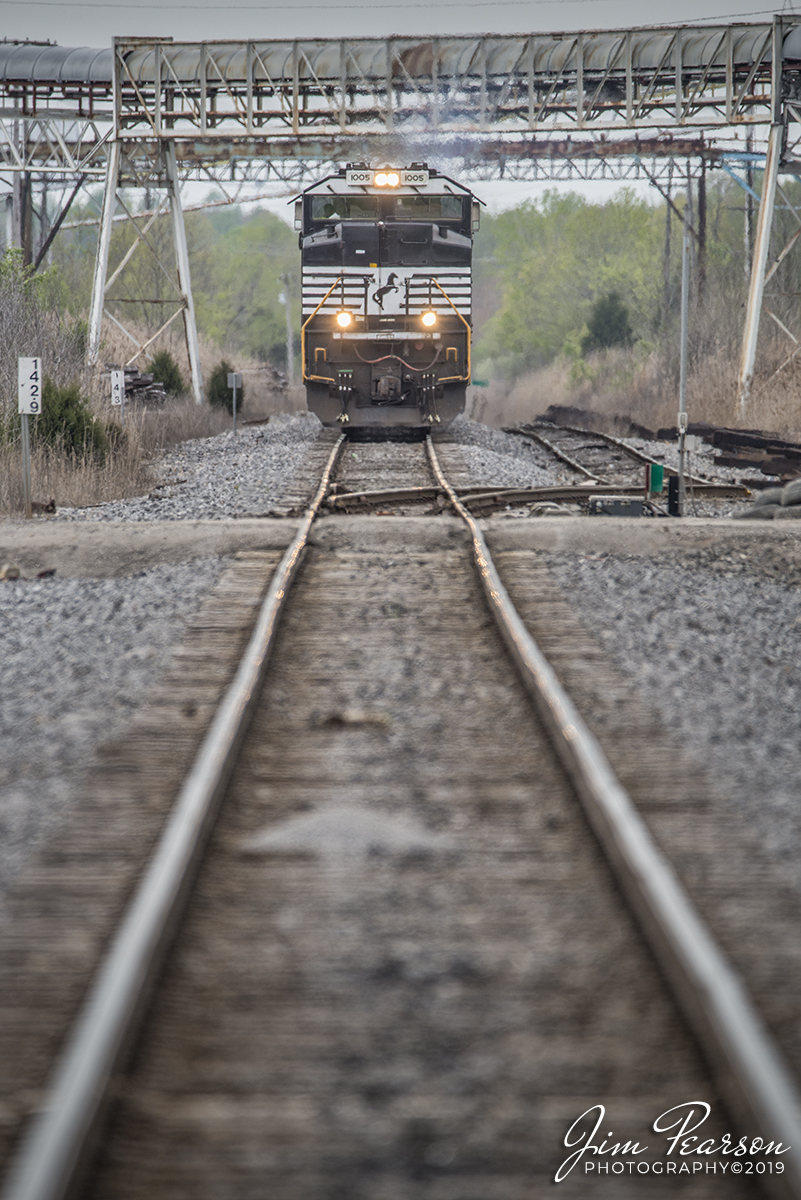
(686, 1151)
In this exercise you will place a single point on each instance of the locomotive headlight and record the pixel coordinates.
(429, 318)
(344, 318)
(386, 179)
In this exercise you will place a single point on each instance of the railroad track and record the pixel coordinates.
(397, 943)
(599, 464)
(602, 460)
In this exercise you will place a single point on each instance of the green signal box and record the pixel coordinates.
(654, 477)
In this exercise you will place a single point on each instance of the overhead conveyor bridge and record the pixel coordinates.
(150, 112)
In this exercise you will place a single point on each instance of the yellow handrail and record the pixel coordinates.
(455, 378)
(303, 375)
(327, 379)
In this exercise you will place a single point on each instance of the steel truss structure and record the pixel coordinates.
(591, 105)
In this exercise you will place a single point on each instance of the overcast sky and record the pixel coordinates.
(95, 22)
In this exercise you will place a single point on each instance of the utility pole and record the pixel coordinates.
(26, 218)
(666, 264)
(748, 223)
(702, 230)
(43, 222)
(685, 304)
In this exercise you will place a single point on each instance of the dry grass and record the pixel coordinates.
(129, 468)
(646, 389)
(76, 479)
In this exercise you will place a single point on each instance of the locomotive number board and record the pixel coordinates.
(359, 177)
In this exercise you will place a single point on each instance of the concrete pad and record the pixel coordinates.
(629, 535)
(106, 549)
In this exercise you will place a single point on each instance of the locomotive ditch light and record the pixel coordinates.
(429, 318)
(344, 318)
(386, 179)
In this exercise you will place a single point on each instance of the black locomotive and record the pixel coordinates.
(386, 261)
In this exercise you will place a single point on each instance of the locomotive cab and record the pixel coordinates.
(386, 269)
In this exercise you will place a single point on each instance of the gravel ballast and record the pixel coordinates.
(225, 476)
(218, 477)
(79, 656)
(498, 459)
(713, 643)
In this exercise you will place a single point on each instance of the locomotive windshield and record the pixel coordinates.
(345, 208)
(387, 208)
(425, 208)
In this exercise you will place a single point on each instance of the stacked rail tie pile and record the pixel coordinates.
(775, 503)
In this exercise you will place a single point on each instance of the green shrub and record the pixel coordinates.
(166, 370)
(608, 324)
(66, 423)
(218, 392)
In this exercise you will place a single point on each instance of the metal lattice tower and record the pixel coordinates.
(619, 104)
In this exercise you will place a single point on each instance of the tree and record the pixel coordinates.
(66, 423)
(608, 324)
(166, 370)
(236, 263)
(236, 279)
(33, 322)
(218, 392)
(553, 259)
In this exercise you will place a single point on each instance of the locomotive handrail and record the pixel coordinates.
(304, 376)
(455, 378)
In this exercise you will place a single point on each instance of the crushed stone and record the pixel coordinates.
(712, 640)
(79, 656)
(218, 477)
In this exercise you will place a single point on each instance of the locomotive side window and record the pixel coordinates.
(344, 208)
(426, 208)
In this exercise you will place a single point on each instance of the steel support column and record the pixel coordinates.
(182, 264)
(761, 244)
(103, 245)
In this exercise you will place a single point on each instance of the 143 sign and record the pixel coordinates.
(30, 385)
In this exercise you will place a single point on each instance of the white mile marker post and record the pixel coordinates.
(118, 393)
(29, 393)
(234, 382)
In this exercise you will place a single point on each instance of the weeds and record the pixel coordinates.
(79, 476)
(33, 323)
(642, 383)
(74, 475)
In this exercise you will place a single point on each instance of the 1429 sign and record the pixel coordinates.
(30, 385)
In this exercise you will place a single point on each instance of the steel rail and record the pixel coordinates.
(58, 1141)
(484, 497)
(746, 1061)
(611, 440)
(578, 491)
(557, 453)
(479, 499)
(409, 495)
(619, 444)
